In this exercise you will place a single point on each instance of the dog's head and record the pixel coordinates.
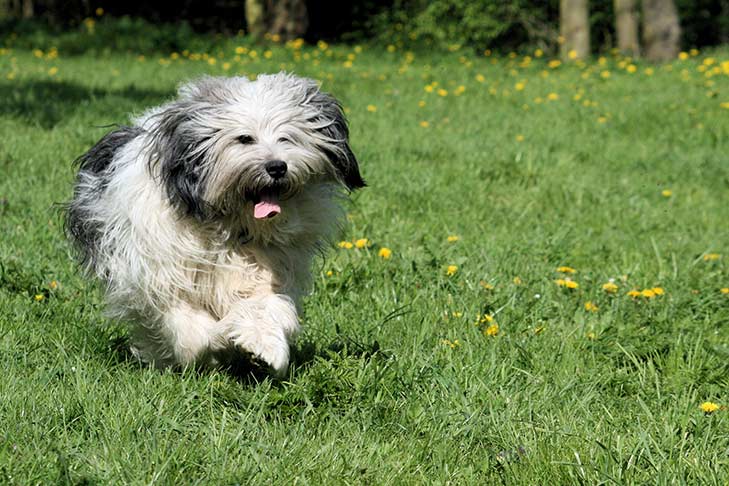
(228, 145)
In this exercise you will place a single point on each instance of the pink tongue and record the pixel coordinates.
(267, 208)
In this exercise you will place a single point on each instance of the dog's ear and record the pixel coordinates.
(179, 149)
(334, 128)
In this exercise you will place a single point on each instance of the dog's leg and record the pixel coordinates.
(263, 326)
(183, 336)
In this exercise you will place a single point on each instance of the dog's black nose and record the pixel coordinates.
(276, 168)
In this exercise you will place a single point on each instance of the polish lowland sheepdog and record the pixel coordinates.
(202, 218)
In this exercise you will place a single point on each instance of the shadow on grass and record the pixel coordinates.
(48, 103)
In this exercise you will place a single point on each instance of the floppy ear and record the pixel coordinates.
(334, 128)
(179, 150)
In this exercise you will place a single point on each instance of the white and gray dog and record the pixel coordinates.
(203, 217)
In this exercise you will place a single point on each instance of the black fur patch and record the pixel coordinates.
(179, 159)
(343, 158)
(96, 169)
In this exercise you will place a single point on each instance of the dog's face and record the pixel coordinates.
(229, 145)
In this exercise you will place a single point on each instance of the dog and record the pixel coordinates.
(203, 216)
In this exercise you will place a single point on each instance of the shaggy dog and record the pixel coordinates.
(202, 217)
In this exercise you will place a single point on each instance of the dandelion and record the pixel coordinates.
(666, 193)
(489, 286)
(424, 124)
(39, 297)
(554, 63)
(421, 103)
(517, 281)
(566, 269)
(53, 71)
(519, 86)
(683, 56)
(385, 253)
(451, 270)
(572, 54)
(480, 78)
(711, 257)
(631, 68)
(453, 238)
(647, 293)
(658, 290)
(552, 96)
(520, 138)
(362, 243)
(538, 53)
(459, 90)
(329, 273)
(724, 290)
(429, 89)
(567, 283)
(591, 336)
(442, 92)
(610, 287)
(371, 108)
(709, 407)
(605, 74)
(590, 307)
(99, 12)
(492, 330)
(451, 344)
(601, 119)
(347, 245)
(53, 285)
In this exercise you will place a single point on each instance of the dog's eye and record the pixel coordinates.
(284, 140)
(246, 139)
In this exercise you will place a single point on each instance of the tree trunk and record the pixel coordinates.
(256, 17)
(28, 10)
(290, 18)
(287, 19)
(661, 30)
(626, 27)
(574, 28)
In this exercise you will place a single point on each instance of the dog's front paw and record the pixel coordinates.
(270, 348)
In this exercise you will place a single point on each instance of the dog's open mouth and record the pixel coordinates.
(267, 207)
(267, 203)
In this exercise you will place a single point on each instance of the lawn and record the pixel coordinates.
(533, 289)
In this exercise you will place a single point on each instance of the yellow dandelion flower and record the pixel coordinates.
(99, 12)
(519, 138)
(53, 71)
(480, 78)
(711, 257)
(421, 103)
(39, 297)
(554, 63)
(590, 307)
(725, 104)
(572, 54)
(724, 290)
(346, 245)
(53, 285)
(631, 68)
(371, 108)
(429, 88)
(647, 293)
(601, 119)
(492, 330)
(610, 287)
(385, 253)
(362, 243)
(634, 293)
(552, 96)
(453, 238)
(451, 270)
(329, 273)
(683, 56)
(649, 71)
(489, 286)
(517, 281)
(605, 74)
(442, 92)
(566, 269)
(666, 193)
(424, 124)
(658, 290)
(591, 336)
(520, 86)
(571, 284)
(538, 53)
(709, 407)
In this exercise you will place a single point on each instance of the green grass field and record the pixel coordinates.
(466, 357)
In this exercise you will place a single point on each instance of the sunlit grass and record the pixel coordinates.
(533, 288)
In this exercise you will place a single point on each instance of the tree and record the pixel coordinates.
(661, 30)
(626, 27)
(287, 19)
(574, 29)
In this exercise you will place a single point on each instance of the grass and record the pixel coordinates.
(396, 379)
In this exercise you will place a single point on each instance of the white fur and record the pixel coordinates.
(187, 285)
